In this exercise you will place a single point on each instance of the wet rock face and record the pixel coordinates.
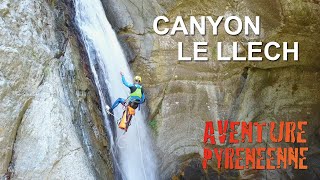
(46, 143)
(50, 123)
(27, 38)
(183, 95)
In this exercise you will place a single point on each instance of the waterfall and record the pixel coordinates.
(132, 152)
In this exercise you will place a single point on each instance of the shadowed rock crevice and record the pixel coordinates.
(10, 169)
(80, 89)
(191, 168)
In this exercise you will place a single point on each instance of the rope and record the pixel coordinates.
(113, 115)
(139, 139)
(144, 172)
(121, 147)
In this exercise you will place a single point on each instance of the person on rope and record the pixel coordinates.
(136, 96)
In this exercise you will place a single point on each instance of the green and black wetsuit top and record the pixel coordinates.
(136, 91)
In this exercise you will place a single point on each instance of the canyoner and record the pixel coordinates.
(132, 102)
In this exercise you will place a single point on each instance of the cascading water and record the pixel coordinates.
(132, 152)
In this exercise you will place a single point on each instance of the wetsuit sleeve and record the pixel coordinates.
(143, 98)
(126, 83)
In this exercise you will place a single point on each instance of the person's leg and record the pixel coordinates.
(117, 102)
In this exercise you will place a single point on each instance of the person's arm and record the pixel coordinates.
(143, 98)
(125, 82)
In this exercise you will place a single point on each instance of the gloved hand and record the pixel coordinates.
(121, 73)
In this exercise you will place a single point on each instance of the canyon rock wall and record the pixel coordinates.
(183, 95)
(50, 123)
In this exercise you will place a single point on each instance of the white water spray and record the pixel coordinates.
(136, 160)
